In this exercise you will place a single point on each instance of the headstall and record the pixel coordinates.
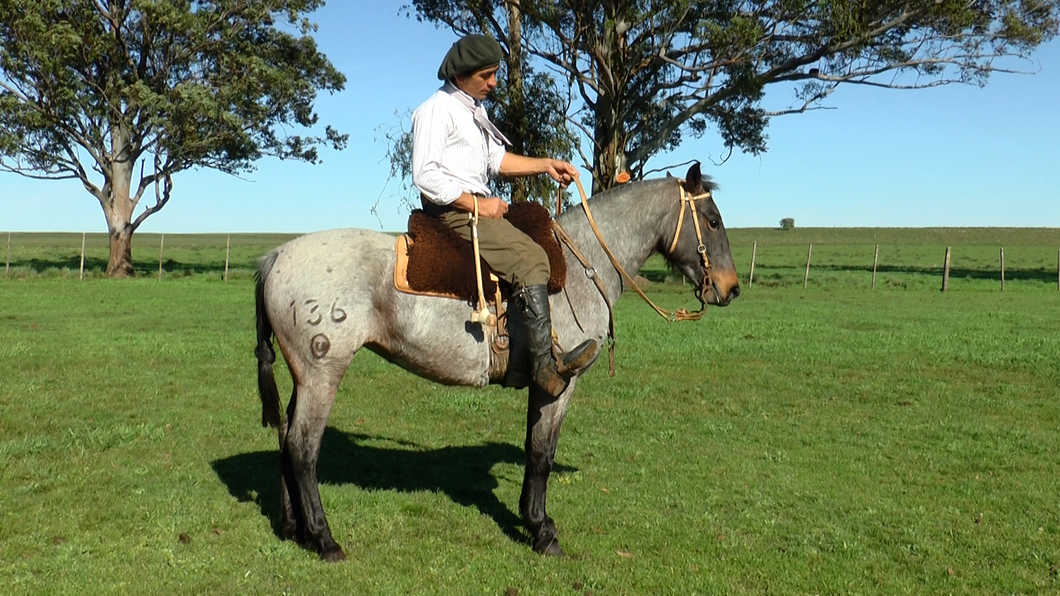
(671, 316)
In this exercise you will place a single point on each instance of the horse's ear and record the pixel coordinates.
(694, 179)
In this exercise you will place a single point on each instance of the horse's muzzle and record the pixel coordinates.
(724, 286)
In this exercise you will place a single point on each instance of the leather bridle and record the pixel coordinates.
(705, 285)
(590, 272)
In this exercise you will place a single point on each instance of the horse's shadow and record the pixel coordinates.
(464, 473)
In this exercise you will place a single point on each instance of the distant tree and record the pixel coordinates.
(104, 90)
(788, 223)
(648, 72)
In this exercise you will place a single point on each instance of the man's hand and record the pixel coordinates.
(516, 166)
(493, 207)
(561, 171)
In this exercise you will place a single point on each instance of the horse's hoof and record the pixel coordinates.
(333, 556)
(550, 548)
(290, 532)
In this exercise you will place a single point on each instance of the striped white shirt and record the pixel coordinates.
(451, 155)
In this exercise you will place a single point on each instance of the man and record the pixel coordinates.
(455, 150)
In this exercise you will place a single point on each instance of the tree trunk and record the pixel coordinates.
(120, 262)
(609, 134)
(118, 209)
(516, 111)
(610, 155)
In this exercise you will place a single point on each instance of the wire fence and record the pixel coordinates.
(162, 256)
(880, 266)
(773, 262)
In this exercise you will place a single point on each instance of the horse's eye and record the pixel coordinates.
(714, 224)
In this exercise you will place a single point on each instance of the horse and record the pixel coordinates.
(326, 295)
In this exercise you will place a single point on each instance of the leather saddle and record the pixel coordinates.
(433, 260)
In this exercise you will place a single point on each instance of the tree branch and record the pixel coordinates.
(161, 198)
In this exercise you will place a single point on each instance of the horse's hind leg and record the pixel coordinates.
(307, 418)
(288, 518)
(543, 420)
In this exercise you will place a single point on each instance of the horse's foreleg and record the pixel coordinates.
(299, 453)
(543, 420)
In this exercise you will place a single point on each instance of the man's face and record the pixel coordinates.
(480, 83)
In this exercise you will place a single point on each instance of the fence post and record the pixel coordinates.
(946, 271)
(754, 251)
(7, 268)
(806, 278)
(161, 246)
(1002, 268)
(82, 276)
(875, 259)
(228, 251)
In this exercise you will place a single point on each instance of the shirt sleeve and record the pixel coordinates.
(496, 154)
(430, 128)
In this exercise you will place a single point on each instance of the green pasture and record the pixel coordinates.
(833, 440)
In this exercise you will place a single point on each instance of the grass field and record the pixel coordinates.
(830, 440)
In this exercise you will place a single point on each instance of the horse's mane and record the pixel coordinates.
(620, 191)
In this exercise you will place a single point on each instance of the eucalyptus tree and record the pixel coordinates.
(643, 74)
(535, 127)
(108, 91)
(527, 105)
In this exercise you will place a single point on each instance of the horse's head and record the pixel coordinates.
(698, 246)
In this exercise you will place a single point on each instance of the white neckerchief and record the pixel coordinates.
(481, 119)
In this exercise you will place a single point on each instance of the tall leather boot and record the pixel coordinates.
(550, 375)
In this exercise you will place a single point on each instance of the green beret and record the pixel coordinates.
(470, 54)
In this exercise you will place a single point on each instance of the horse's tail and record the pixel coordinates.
(270, 395)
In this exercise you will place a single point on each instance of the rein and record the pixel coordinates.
(590, 271)
(686, 199)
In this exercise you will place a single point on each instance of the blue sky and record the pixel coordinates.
(952, 156)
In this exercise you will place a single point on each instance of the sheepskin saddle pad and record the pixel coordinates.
(433, 260)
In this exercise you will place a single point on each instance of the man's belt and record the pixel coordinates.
(435, 210)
